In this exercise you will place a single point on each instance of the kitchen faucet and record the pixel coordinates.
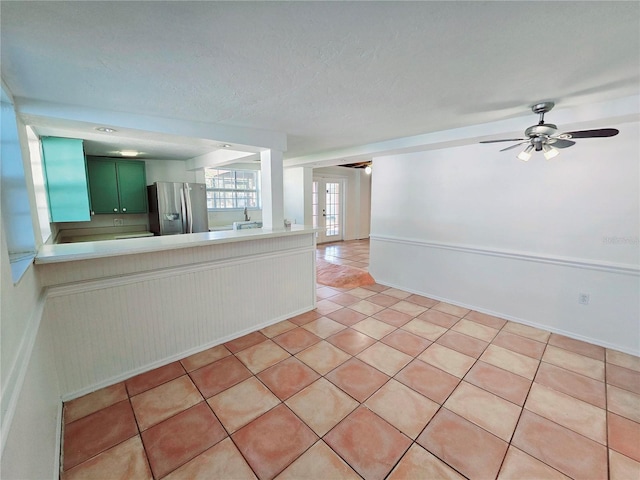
(246, 217)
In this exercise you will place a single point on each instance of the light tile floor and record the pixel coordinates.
(379, 383)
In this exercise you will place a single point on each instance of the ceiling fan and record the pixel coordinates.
(546, 138)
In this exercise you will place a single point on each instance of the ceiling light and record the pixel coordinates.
(525, 155)
(225, 145)
(367, 169)
(129, 153)
(549, 152)
(106, 129)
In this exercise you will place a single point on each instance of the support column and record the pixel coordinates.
(298, 185)
(272, 190)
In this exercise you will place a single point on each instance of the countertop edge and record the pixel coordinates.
(69, 252)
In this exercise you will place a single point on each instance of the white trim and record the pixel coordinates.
(18, 371)
(511, 318)
(57, 452)
(619, 268)
(179, 356)
(108, 282)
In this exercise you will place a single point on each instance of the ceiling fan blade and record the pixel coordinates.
(600, 132)
(514, 146)
(504, 140)
(561, 143)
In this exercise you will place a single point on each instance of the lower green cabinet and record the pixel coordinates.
(117, 186)
(66, 177)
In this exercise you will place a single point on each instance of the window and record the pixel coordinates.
(16, 211)
(232, 189)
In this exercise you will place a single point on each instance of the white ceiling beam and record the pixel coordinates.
(219, 158)
(597, 115)
(248, 139)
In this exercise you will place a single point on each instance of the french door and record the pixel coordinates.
(327, 209)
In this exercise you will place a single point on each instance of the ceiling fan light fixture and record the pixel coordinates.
(525, 155)
(549, 152)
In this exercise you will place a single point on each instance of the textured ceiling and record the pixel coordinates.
(329, 75)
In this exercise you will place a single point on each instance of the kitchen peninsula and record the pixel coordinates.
(121, 307)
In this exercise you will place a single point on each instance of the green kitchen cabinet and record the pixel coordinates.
(66, 178)
(117, 186)
(132, 186)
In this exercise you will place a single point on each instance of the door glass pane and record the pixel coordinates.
(332, 220)
(314, 205)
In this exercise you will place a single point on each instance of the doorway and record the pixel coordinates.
(327, 204)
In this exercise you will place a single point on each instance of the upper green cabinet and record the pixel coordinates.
(66, 177)
(117, 186)
(132, 186)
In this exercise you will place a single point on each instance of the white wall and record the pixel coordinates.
(522, 240)
(364, 215)
(168, 171)
(357, 199)
(297, 195)
(226, 219)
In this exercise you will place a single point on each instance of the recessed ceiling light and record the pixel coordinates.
(225, 145)
(106, 129)
(129, 153)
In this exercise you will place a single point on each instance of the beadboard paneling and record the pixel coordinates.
(108, 330)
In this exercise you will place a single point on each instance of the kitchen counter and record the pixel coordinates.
(67, 252)
(117, 308)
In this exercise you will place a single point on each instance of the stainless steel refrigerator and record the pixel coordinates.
(176, 208)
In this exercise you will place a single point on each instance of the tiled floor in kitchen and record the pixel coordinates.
(374, 383)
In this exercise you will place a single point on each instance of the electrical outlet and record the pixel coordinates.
(118, 222)
(583, 298)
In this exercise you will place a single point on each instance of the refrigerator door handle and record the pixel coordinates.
(183, 210)
(187, 198)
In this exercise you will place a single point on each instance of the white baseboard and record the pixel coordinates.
(523, 321)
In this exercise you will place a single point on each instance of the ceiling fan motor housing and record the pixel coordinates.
(547, 129)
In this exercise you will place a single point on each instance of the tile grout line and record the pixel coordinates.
(139, 434)
(362, 404)
(290, 355)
